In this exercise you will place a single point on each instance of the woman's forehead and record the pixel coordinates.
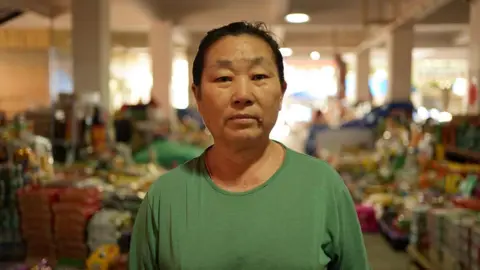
(236, 49)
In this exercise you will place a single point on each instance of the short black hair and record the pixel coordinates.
(257, 29)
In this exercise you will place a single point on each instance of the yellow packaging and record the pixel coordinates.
(103, 257)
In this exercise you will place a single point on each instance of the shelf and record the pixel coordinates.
(473, 155)
(419, 258)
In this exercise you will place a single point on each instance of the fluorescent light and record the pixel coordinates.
(315, 55)
(286, 52)
(297, 18)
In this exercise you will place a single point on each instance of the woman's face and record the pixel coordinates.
(240, 94)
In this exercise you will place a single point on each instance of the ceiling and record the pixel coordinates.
(339, 24)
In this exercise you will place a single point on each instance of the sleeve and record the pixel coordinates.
(143, 246)
(349, 251)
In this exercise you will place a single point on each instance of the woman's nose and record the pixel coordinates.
(242, 93)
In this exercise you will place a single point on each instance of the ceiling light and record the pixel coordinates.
(315, 55)
(297, 18)
(286, 52)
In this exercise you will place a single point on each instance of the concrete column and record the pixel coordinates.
(474, 57)
(161, 52)
(190, 57)
(91, 48)
(362, 76)
(179, 88)
(399, 49)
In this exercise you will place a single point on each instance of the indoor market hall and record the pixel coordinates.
(239, 135)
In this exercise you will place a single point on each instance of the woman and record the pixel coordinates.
(247, 202)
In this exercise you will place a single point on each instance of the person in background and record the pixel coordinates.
(318, 118)
(247, 202)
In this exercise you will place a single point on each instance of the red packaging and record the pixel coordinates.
(82, 196)
(74, 211)
(366, 216)
(37, 193)
(41, 250)
(74, 236)
(38, 228)
(71, 227)
(72, 251)
(29, 217)
(37, 208)
(35, 236)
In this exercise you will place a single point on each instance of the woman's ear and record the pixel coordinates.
(284, 87)
(196, 91)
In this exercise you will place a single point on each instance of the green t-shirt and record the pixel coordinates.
(302, 218)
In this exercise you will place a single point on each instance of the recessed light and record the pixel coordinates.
(315, 55)
(297, 18)
(286, 52)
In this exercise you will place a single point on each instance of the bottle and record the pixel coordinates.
(98, 131)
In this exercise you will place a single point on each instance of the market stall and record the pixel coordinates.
(419, 187)
(66, 214)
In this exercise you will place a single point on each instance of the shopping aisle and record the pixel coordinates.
(382, 256)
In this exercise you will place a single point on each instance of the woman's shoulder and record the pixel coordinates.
(178, 177)
(314, 169)
(302, 161)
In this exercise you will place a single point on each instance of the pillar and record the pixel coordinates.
(399, 50)
(91, 48)
(474, 57)
(161, 53)
(363, 75)
(191, 57)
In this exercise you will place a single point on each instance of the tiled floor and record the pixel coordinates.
(381, 256)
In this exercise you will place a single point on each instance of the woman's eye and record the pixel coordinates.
(258, 77)
(223, 79)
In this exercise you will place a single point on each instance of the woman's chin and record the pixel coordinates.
(244, 135)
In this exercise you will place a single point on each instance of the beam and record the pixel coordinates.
(40, 7)
(462, 39)
(41, 39)
(419, 9)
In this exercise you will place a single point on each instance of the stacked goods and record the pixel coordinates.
(106, 227)
(72, 213)
(475, 248)
(36, 215)
(419, 229)
(461, 136)
(124, 200)
(436, 228)
(465, 244)
(457, 247)
(10, 234)
(41, 121)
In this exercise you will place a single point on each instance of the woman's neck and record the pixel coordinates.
(235, 165)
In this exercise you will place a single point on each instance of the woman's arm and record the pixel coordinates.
(348, 246)
(144, 244)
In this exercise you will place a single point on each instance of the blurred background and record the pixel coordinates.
(95, 104)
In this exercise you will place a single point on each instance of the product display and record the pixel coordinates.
(63, 214)
(417, 186)
(72, 214)
(423, 188)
